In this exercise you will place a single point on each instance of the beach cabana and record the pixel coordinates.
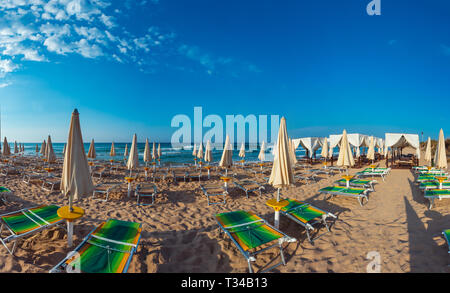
(397, 141)
(310, 144)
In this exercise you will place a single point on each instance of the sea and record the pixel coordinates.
(169, 154)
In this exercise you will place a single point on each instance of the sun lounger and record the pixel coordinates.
(161, 174)
(358, 193)
(33, 176)
(108, 248)
(382, 172)
(11, 171)
(249, 186)
(22, 223)
(446, 234)
(144, 190)
(250, 234)
(179, 173)
(433, 194)
(433, 185)
(99, 171)
(49, 183)
(335, 168)
(4, 192)
(428, 177)
(325, 171)
(214, 190)
(308, 179)
(104, 189)
(195, 174)
(306, 215)
(355, 182)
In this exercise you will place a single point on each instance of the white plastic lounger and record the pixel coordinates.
(145, 190)
(249, 186)
(214, 190)
(104, 189)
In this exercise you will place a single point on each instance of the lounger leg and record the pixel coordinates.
(281, 253)
(307, 235)
(250, 270)
(324, 220)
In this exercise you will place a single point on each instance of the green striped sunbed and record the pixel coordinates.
(22, 223)
(109, 248)
(428, 177)
(446, 234)
(433, 185)
(249, 232)
(306, 215)
(4, 191)
(433, 194)
(359, 193)
(355, 182)
(374, 172)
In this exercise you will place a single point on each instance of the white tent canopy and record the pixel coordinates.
(401, 140)
(311, 144)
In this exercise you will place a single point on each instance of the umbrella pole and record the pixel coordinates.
(70, 225)
(277, 212)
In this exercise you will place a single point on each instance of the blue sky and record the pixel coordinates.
(130, 66)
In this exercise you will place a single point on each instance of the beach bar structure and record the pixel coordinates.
(396, 142)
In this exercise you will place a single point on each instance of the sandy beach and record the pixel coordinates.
(181, 235)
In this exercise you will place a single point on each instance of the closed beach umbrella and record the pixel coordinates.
(125, 153)
(112, 151)
(154, 153)
(242, 151)
(262, 154)
(324, 153)
(208, 152)
(200, 151)
(43, 147)
(440, 158)
(371, 151)
(282, 175)
(159, 150)
(428, 152)
(6, 151)
(16, 149)
(345, 158)
(194, 152)
(37, 149)
(91, 153)
(76, 181)
(147, 155)
(64, 150)
(133, 158)
(49, 153)
(227, 156)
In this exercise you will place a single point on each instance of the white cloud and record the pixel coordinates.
(4, 84)
(88, 50)
(7, 66)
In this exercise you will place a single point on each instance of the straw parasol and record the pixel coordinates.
(76, 181)
(345, 158)
(133, 158)
(49, 153)
(440, 158)
(371, 150)
(428, 152)
(227, 156)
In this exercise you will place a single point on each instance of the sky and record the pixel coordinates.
(131, 66)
